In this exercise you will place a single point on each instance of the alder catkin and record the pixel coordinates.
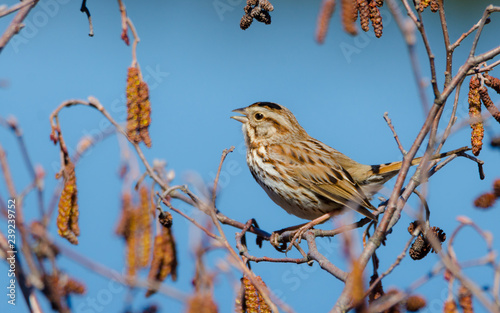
(476, 124)
(68, 213)
(349, 9)
(138, 108)
(325, 15)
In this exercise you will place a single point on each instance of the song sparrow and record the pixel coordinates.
(303, 175)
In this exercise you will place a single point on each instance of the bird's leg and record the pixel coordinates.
(305, 227)
(299, 230)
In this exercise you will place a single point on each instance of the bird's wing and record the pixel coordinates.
(318, 171)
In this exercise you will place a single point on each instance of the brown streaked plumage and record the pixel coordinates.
(303, 175)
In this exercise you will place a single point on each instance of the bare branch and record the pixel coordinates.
(16, 24)
(389, 123)
(85, 10)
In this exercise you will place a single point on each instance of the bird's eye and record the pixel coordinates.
(259, 116)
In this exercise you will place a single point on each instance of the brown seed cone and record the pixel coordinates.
(376, 19)
(246, 21)
(164, 261)
(450, 306)
(496, 188)
(379, 2)
(465, 299)
(364, 14)
(248, 9)
(415, 303)
(349, 9)
(439, 233)
(266, 5)
(325, 14)
(165, 219)
(485, 201)
(485, 98)
(420, 248)
(261, 16)
(67, 219)
(492, 82)
(434, 6)
(355, 12)
(258, 10)
(475, 116)
(413, 226)
(201, 303)
(423, 4)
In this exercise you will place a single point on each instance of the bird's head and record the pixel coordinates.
(269, 123)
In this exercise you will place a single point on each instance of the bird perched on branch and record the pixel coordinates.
(303, 175)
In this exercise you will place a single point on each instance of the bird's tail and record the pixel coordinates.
(391, 169)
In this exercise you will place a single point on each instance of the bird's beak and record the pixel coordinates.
(242, 119)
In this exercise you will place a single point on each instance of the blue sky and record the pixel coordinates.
(199, 66)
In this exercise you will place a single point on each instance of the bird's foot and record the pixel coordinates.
(275, 241)
(279, 242)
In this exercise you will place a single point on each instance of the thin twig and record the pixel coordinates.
(16, 7)
(323, 262)
(27, 288)
(37, 181)
(398, 260)
(94, 103)
(216, 181)
(430, 56)
(134, 44)
(242, 248)
(446, 37)
(389, 123)
(9, 182)
(487, 12)
(484, 69)
(452, 119)
(464, 35)
(85, 10)
(16, 24)
(192, 220)
(126, 21)
(409, 36)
